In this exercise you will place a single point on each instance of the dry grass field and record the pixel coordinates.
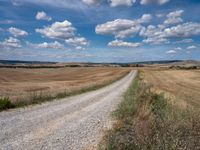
(20, 83)
(149, 119)
(182, 86)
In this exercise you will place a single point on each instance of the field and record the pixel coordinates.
(19, 84)
(181, 86)
(160, 110)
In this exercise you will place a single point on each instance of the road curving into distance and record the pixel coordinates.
(72, 123)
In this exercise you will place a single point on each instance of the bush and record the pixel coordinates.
(5, 103)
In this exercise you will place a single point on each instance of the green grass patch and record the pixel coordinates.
(145, 120)
(5, 103)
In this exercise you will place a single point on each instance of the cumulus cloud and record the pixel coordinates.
(17, 32)
(64, 31)
(174, 50)
(174, 17)
(191, 47)
(11, 43)
(77, 41)
(91, 2)
(145, 18)
(115, 3)
(177, 48)
(171, 52)
(184, 41)
(153, 35)
(183, 30)
(79, 48)
(156, 35)
(120, 43)
(58, 30)
(45, 45)
(42, 16)
(160, 2)
(122, 28)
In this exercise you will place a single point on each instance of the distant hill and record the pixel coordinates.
(14, 62)
(41, 64)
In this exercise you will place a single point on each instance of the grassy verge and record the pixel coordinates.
(42, 96)
(145, 120)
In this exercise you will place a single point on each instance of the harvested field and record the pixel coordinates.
(20, 83)
(182, 86)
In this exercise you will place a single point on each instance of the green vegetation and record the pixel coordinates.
(36, 97)
(5, 103)
(145, 120)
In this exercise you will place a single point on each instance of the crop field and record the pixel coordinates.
(19, 83)
(182, 86)
(160, 110)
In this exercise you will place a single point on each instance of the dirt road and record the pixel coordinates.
(72, 123)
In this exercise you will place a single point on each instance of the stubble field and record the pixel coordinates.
(181, 86)
(19, 83)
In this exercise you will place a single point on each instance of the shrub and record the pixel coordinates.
(5, 103)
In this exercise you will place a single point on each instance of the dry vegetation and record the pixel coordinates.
(181, 86)
(21, 84)
(146, 119)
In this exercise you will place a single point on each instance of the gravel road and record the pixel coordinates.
(69, 124)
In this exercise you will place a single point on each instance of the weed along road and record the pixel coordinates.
(71, 123)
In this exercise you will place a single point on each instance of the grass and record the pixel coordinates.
(5, 103)
(36, 97)
(145, 120)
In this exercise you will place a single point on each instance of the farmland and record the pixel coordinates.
(160, 110)
(181, 86)
(19, 84)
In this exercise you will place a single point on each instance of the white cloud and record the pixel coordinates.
(160, 15)
(79, 48)
(64, 31)
(77, 41)
(45, 45)
(120, 43)
(174, 17)
(184, 41)
(177, 48)
(171, 52)
(183, 30)
(160, 2)
(115, 3)
(145, 18)
(156, 35)
(11, 43)
(153, 35)
(174, 50)
(58, 30)
(91, 2)
(191, 47)
(43, 16)
(17, 32)
(122, 28)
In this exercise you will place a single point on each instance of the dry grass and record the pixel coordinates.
(19, 83)
(146, 120)
(182, 86)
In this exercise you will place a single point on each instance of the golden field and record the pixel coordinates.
(20, 83)
(181, 86)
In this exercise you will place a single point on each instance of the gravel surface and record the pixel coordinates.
(69, 124)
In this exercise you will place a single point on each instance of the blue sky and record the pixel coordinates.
(99, 30)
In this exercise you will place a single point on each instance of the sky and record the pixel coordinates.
(99, 30)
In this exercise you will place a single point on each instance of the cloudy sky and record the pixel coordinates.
(99, 30)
